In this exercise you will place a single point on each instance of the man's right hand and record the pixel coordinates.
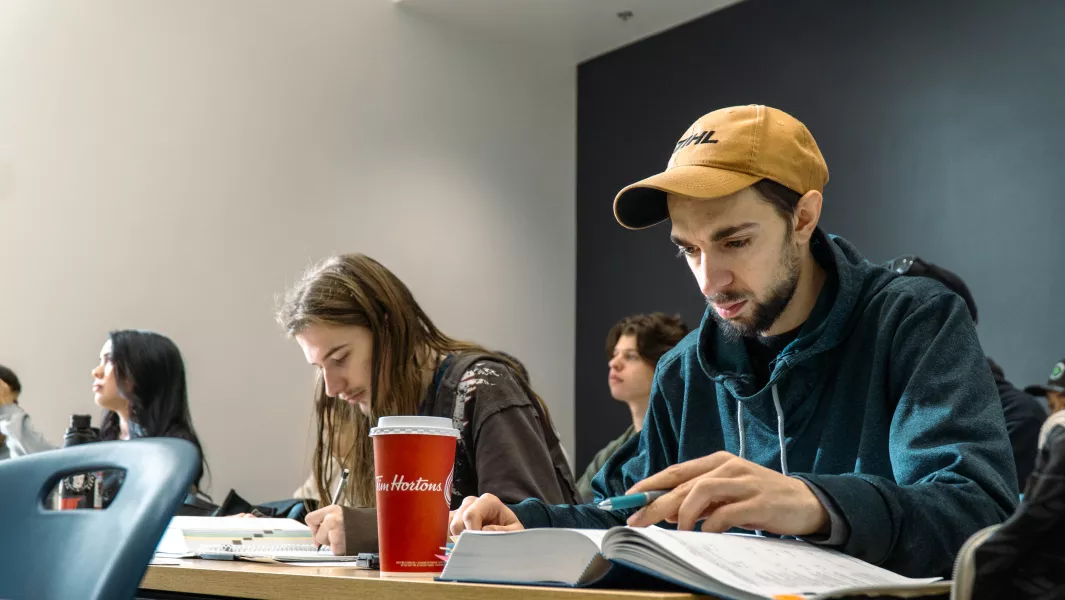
(486, 513)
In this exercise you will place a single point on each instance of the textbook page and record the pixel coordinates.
(768, 566)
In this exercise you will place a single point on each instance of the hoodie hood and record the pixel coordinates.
(850, 277)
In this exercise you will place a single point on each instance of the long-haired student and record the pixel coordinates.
(378, 353)
(140, 384)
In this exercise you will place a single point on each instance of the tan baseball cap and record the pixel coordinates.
(722, 153)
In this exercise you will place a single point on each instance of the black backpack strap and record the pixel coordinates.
(442, 402)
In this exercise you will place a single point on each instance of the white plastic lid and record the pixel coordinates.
(414, 425)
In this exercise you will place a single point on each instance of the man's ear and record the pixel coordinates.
(807, 215)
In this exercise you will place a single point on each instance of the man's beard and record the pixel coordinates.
(764, 313)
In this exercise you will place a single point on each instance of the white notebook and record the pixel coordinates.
(742, 567)
(284, 553)
(186, 535)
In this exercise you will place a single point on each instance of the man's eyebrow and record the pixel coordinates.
(676, 239)
(731, 230)
(720, 234)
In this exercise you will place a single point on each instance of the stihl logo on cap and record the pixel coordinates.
(695, 138)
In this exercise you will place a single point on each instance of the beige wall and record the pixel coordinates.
(173, 165)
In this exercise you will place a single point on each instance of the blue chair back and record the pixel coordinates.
(92, 554)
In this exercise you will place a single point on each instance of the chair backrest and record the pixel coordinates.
(93, 554)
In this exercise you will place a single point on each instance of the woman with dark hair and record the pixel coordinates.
(140, 384)
(377, 354)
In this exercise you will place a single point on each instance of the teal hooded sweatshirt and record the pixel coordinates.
(884, 403)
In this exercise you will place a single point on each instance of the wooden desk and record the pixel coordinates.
(252, 580)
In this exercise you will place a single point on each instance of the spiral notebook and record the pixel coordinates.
(185, 536)
(282, 553)
(232, 538)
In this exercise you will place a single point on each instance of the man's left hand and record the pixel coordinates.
(725, 491)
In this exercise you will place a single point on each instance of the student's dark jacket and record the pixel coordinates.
(1024, 418)
(505, 447)
(889, 410)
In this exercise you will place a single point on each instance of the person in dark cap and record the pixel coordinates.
(1024, 414)
(1054, 390)
(814, 399)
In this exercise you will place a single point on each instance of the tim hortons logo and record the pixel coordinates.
(400, 484)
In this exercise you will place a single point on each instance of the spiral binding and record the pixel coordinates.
(257, 549)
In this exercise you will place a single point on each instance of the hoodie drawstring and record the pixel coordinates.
(780, 431)
(739, 423)
(780, 435)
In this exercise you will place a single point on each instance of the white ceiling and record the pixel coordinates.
(574, 30)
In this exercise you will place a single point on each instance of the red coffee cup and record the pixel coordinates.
(414, 459)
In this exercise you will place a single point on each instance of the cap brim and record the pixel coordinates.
(1041, 390)
(643, 203)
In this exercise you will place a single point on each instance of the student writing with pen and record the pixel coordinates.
(377, 353)
(822, 396)
(317, 526)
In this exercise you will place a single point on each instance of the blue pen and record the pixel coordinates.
(632, 500)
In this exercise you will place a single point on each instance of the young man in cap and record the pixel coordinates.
(1054, 390)
(822, 396)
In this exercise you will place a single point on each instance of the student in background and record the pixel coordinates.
(633, 348)
(1056, 418)
(1024, 417)
(823, 397)
(1054, 390)
(140, 384)
(17, 434)
(376, 350)
(1024, 414)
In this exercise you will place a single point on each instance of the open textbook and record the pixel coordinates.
(741, 567)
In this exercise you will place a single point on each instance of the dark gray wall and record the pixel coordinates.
(943, 125)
